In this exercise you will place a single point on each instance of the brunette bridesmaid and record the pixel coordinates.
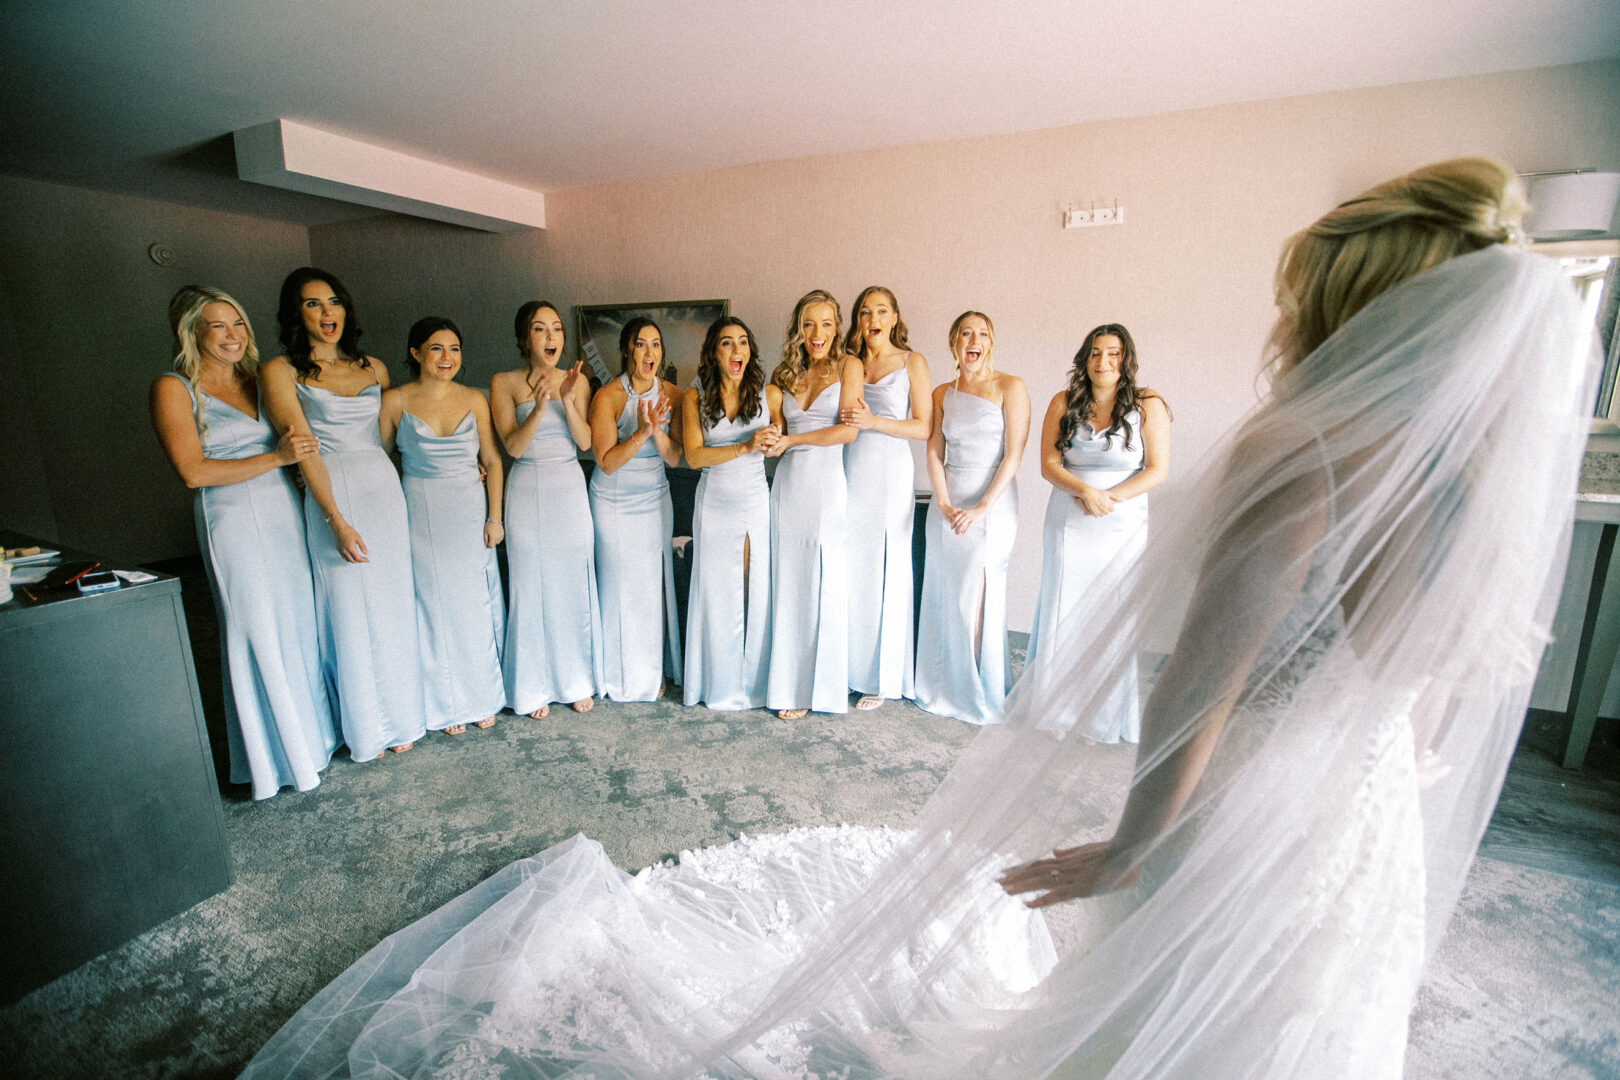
(809, 663)
(731, 420)
(445, 440)
(1104, 445)
(635, 434)
(981, 421)
(250, 527)
(553, 625)
(895, 409)
(358, 534)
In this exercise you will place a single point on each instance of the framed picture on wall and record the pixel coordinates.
(683, 324)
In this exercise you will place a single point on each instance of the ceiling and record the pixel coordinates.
(550, 94)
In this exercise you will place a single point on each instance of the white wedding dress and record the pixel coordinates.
(1358, 597)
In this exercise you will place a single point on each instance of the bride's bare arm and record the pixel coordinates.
(1252, 576)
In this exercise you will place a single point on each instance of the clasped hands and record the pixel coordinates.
(962, 519)
(1096, 502)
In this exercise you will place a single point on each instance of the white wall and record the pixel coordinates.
(1211, 195)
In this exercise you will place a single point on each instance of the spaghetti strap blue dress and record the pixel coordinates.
(727, 610)
(553, 623)
(809, 662)
(278, 719)
(882, 507)
(635, 567)
(460, 614)
(365, 612)
(963, 667)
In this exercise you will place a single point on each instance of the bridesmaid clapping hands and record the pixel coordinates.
(553, 624)
(634, 438)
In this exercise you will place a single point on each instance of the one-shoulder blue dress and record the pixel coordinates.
(278, 720)
(965, 577)
(728, 614)
(809, 662)
(1077, 548)
(882, 507)
(553, 623)
(460, 613)
(635, 566)
(365, 612)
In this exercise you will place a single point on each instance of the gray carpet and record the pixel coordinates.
(1523, 985)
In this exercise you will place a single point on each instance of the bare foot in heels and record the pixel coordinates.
(541, 713)
(583, 705)
(792, 714)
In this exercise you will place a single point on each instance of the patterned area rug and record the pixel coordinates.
(1522, 985)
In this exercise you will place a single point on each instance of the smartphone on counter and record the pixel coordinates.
(97, 581)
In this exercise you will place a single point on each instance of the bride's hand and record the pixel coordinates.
(1067, 874)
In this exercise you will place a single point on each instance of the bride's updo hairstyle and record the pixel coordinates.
(1369, 243)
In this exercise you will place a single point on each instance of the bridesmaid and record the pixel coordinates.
(1104, 445)
(445, 439)
(809, 664)
(553, 624)
(730, 421)
(250, 526)
(358, 537)
(634, 437)
(981, 420)
(895, 407)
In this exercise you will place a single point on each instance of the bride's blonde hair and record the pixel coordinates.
(1369, 243)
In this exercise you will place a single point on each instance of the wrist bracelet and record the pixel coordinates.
(491, 521)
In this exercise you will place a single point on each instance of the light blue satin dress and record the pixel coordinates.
(882, 507)
(1076, 548)
(728, 629)
(365, 612)
(635, 566)
(953, 679)
(278, 720)
(809, 661)
(460, 613)
(553, 623)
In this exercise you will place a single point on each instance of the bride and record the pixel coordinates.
(1366, 570)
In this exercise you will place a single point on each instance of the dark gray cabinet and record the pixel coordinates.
(110, 806)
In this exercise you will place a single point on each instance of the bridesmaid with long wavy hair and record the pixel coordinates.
(358, 534)
(553, 625)
(217, 434)
(731, 420)
(635, 433)
(809, 665)
(895, 408)
(981, 422)
(1104, 445)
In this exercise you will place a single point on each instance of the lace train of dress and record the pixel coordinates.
(561, 965)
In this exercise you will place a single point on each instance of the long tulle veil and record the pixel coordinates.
(1363, 574)
(1384, 536)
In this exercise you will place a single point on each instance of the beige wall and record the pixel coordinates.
(1211, 194)
(88, 331)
